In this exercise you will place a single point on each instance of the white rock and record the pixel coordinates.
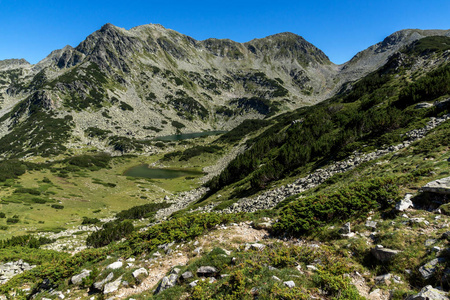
(139, 272)
(115, 265)
(405, 203)
(290, 284)
(112, 286)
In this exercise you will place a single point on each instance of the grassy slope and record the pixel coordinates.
(82, 197)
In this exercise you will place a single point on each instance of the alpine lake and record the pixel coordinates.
(144, 171)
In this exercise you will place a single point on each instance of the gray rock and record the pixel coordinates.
(198, 250)
(139, 273)
(371, 224)
(290, 284)
(257, 246)
(275, 278)
(187, 275)
(193, 283)
(77, 279)
(383, 279)
(383, 254)
(99, 284)
(167, 282)
(428, 269)
(207, 271)
(112, 286)
(405, 203)
(311, 267)
(346, 229)
(429, 293)
(429, 242)
(440, 186)
(115, 265)
(423, 105)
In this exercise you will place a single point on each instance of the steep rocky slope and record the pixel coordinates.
(377, 55)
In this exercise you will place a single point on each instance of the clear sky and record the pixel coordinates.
(31, 29)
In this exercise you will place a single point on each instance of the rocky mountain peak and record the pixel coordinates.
(13, 63)
(288, 45)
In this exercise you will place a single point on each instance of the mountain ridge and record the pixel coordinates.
(159, 77)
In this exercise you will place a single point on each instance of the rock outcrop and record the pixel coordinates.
(440, 186)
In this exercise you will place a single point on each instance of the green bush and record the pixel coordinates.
(111, 231)
(142, 211)
(27, 191)
(28, 241)
(307, 214)
(87, 221)
(57, 206)
(185, 228)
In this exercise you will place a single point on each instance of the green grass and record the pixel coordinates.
(99, 193)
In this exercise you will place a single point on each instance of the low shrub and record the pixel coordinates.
(111, 231)
(142, 211)
(307, 214)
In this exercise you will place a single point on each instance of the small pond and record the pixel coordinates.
(155, 173)
(186, 136)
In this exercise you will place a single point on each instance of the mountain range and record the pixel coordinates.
(120, 88)
(301, 179)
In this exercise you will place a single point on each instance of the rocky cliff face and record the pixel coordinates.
(135, 84)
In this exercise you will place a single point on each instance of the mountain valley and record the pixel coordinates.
(306, 179)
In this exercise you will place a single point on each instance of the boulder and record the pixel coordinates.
(275, 278)
(257, 246)
(383, 279)
(112, 286)
(371, 224)
(193, 283)
(78, 279)
(140, 273)
(430, 242)
(405, 203)
(428, 269)
(440, 186)
(187, 275)
(346, 229)
(166, 283)
(423, 105)
(384, 254)
(115, 265)
(198, 250)
(99, 284)
(207, 271)
(429, 293)
(290, 284)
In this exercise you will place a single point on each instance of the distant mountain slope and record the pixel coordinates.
(377, 55)
(119, 88)
(371, 113)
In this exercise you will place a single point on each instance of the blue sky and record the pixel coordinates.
(32, 29)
